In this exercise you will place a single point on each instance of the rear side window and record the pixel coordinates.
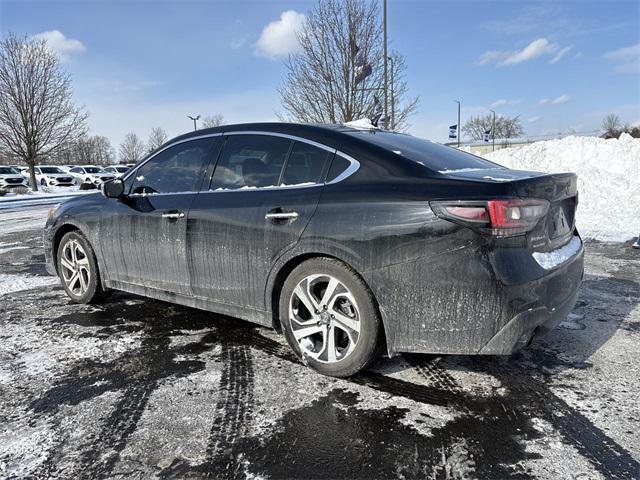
(250, 161)
(174, 170)
(338, 166)
(432, 155)
(306, 164)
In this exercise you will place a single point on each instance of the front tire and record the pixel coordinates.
(330, 318)
(78, 269)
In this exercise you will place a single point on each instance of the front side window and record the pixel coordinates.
(174, 170)
(250, 161)
(306, 165)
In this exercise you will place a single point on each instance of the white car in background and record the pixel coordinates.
(91, 174)
(11, 177)
(52, 176)
(117, 170)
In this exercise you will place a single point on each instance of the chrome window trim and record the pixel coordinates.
(284, 135)
(350, 170)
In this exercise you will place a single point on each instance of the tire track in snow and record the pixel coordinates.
(234, 410)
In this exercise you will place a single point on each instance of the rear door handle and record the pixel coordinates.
(279, 215)
(173, 215)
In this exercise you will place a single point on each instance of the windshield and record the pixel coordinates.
(121, 169)
(93, 170)
(50, 170)
(435, 156)
(9, 171)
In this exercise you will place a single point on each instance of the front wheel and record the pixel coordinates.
(330, 318)
(78, 269)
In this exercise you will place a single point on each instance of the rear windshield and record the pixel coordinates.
(437, 157)
(50, 170)
(8, 171)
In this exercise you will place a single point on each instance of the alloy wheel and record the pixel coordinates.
(74, 264)
(324, 318)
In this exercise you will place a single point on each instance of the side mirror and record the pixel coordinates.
(113, 188)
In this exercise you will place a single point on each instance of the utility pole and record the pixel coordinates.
(459, 126)
(493, 132)
(384, 21)
(393, 97)
(195, 119)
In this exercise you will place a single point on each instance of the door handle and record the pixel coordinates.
(281, 216)
(173, 215)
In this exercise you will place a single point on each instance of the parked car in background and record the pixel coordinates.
(53, 176)
(11, 177)
(90, 174)
(117, 170)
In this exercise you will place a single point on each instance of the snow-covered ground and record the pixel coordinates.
(608, 179)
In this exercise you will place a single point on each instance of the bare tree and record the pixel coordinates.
(94, 150)
(212, 121)
(37, 115)
(506, 127)
(131, 149)
(612, 125)
(339, 41)
(157, 137)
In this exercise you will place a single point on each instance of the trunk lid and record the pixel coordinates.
(559, 189)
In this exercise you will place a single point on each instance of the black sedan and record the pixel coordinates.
(351, 242)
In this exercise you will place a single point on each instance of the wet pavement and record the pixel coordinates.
(136, 388)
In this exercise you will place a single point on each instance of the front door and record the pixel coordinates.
(142, 234)
(262, 195)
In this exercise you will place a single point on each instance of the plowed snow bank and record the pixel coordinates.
(608, 179)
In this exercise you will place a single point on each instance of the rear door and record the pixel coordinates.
(263, 192)
(143, 234)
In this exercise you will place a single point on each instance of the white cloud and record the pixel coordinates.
(564, 98)
(533, 119)
(535, 49)
(504, 102)
(59, 43)
(279, 38)
(561, 53)
(561, 99)
(626, 58)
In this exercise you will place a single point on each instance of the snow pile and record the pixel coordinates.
(608, 179)
(16, 283)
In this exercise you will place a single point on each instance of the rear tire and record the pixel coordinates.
(330, 318)
(78, 269)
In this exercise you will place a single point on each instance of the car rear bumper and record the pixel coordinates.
(465, 301)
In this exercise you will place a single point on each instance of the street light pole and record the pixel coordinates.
(195, 119)
(393, 97)
(459, 126)
(384, 22)
(493, 132)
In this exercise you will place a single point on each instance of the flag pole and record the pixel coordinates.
(384, 21)
(458, 126)
(493, 132)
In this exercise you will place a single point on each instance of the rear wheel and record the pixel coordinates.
(43, 183)
(329, 317)
(78, 269)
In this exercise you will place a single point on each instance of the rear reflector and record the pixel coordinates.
(502, 218)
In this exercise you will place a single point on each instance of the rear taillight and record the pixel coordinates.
(501, 218)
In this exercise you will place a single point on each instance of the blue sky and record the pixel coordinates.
(140, 64)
